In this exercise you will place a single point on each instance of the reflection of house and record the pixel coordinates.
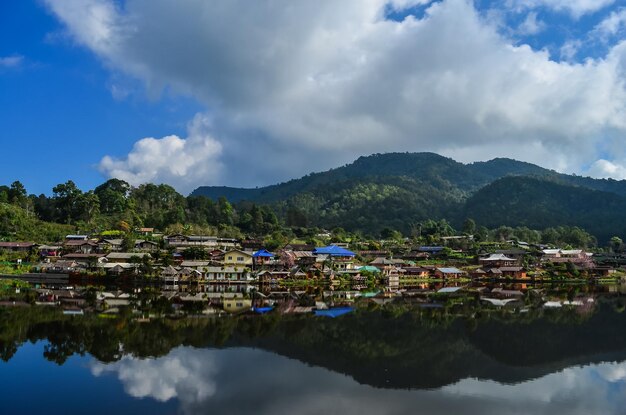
(449, 272)
(237, 304)
(227, 274)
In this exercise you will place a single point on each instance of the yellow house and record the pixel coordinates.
(237, 258)
(237, 304)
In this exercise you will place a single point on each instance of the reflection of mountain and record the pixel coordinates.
(404, 353)
(408, 349)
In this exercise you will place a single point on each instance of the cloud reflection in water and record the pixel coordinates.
(238, 381)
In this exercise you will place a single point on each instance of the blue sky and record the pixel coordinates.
(194, 92)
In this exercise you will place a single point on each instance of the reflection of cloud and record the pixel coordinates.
(173, 376)
(239, 381)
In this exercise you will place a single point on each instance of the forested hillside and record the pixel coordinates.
(415, 194)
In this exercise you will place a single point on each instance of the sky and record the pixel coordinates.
(240, 93)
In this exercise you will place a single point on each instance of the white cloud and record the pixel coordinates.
(612, 25)
(576, 8)
(531, 25)
(297, 86)
(173, 376)
(605, 169)
(11, 61)
(182, 162)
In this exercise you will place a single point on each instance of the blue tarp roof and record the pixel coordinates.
(263, 253)
(333, 250)
(430, 248)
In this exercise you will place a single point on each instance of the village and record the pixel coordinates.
(209, 275)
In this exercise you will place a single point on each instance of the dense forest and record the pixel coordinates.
(422, 196)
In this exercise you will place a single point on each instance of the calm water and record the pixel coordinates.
(381, 361)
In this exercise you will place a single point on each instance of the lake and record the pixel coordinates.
(376, 360)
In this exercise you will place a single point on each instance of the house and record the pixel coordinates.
(262, 258)
(300, 258)
(85, 260)
(82, 246)
(110, 245)
(61, 267)
(270, 277)
(449, 272)
(76, 237)
(180, 241)
(238, 258)
(575, 256)
(116, 268)
(197, 265)
(340, 257)
(169, 275)
(17, 246)
(497, 260)
(432, 250)
(146, 246)
(416, 272)
(49, 250)
(125, 257)
(513, 272)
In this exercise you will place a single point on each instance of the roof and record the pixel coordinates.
(450, 270)
(263, 253)
(430, 248)
(195, 263)
(79, 242)
(127, 255)
(369, 268)
(16, 244)
(445, 290)
(497, 257)
(511, 269)
(113, 241)
(333, 250)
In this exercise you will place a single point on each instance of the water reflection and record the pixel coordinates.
(244, 380)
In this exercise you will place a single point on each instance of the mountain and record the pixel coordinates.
(426, 167)
(539, 204)
(398, 190)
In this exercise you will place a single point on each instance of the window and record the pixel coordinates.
(239, 259)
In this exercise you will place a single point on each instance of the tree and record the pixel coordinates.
(469, 226)
(17, 193)
(616, 243)
(113, 196)
(66, 197)
(88, 206)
